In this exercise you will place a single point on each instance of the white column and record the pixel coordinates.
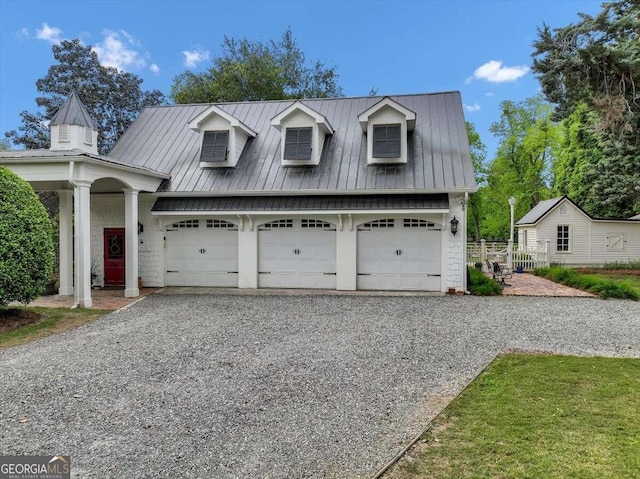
(65, 226)
(346, 257)
(131, 242)
(248, 255)
(82, 210)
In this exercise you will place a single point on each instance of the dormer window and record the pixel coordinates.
(222, 137)
(302, 131)
(297, 144)
(214, 146)
(387, 125)
(386, 141)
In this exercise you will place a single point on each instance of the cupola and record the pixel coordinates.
(73, 129)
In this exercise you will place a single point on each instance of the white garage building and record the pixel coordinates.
(346, 193)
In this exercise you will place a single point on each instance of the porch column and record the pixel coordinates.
(131, 242)
(65, 255)
(82, 210)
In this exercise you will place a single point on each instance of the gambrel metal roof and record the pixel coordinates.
(438, 161)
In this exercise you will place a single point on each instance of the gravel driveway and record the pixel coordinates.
(274, 386)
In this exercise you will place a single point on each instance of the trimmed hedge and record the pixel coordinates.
(606, 288)
(481, 285)
(26, 246)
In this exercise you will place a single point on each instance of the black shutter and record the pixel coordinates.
(386, 141)
(214, 146)
(297, 144)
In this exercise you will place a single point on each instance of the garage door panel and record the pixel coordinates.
(297, 254)
(201, 255)
(399, 255)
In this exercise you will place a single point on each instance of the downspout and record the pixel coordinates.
(72, 167)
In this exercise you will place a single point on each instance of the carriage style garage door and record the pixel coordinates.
(297, 253)
(399, 254)
(202, 253)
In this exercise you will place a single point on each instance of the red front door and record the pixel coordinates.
(114, 256)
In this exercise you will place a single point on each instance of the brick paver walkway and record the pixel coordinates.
(110, 299)
(525, 284)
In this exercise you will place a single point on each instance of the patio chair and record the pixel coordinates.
(500, 272)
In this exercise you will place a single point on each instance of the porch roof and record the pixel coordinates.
(364, 203)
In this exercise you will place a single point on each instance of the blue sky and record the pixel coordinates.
(480, 48)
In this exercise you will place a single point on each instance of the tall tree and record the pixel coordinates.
(521, 166)
(253, 70)
(575, 156)
(112, 97)
(478, 157)
(596, 63)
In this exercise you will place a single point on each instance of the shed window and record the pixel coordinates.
(562, 241)
(297, 144)
(214, 146)
(386, 141)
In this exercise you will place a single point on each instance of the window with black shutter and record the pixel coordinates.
(386, 141)
(297, 144)
(214, 146)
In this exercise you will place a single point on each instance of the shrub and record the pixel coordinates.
(630, 265)
(606, 288)
(481, 285)
(26, 248)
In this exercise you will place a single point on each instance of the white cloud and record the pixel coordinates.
(192, 58)
(50, 34)
(154, 68)
(489, 93)
(494, 71)
(116, 50)
(474, 107)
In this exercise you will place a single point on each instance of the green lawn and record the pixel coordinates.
(41, 322)
(608, 284)
(532, 416)
(633, 280)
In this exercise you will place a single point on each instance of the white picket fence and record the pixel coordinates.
(514, 256)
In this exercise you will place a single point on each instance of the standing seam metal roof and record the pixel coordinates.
(73, 112)
(311, 202)
(438, 149)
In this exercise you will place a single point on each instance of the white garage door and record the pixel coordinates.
(297, 253)
(202, 253)
(399, 254)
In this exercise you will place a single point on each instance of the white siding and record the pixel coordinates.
(579, 234)
(531, 235)
(588, 239)
(454, 247)
(602, 234)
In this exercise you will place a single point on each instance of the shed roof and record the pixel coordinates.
(538, 211)
(73, 112)
(438, 149)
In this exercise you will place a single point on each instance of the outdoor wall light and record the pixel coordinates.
(454, 226)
